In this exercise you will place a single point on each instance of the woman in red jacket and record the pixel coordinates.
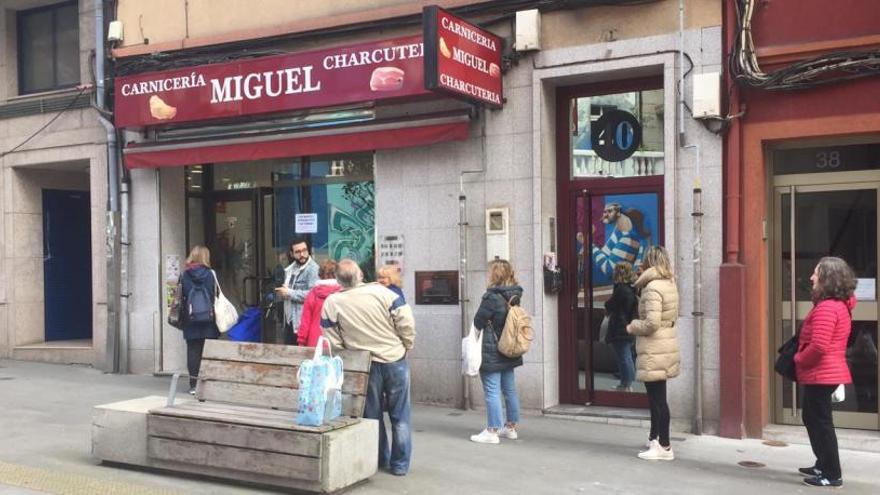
(821, 366)
(310, 324)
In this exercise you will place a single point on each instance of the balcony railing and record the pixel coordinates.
(585, 163)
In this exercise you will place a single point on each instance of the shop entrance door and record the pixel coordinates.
(239, 254)
(604, 225)
(816, 217)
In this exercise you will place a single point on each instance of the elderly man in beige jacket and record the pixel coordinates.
(371, 317)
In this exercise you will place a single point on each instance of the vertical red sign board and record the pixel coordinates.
(461, 59)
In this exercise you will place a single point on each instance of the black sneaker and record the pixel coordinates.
(823, 481)
(811, 471)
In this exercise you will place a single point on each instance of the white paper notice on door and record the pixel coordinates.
(306, 223)
(866, 289)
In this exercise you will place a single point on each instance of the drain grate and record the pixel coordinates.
(454, 414)
(751, 464)
(775, 443)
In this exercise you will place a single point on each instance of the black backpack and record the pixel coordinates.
(200, 302)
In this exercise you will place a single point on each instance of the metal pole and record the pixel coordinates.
(793, 260)
(697, 312)
(466, 402)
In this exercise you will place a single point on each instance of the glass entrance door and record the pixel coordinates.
(828, 220)
(609, 228)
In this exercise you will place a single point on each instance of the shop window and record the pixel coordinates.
(638, 141)
(48, 48)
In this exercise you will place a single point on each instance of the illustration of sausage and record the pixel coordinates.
(444, 49)
(161, 110)
(387, 79)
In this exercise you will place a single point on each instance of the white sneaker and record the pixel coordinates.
(657, 453)
(486, 436)
(508, 433)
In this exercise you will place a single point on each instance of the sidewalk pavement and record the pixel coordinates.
(45, 448)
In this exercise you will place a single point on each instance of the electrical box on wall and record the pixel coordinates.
(114, 31)
(497, 234)
(707, 95)
(528, 30)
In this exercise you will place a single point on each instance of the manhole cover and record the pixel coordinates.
(775, 443)
(6, 378)
(454, 414)
(678, 439)
(751, 464)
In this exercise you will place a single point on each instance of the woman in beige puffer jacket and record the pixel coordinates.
(656, 345)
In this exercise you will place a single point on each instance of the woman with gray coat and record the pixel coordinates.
(656, 345)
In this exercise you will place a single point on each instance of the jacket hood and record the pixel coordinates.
(199, 273)
(322, 291)
(507, 291)
(851, 303)
(647, 277)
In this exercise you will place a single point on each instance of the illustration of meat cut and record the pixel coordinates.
(387, 79)
(161, 110)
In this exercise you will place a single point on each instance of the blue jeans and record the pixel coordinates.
(391, 380)
(494, 384)
(625, 365)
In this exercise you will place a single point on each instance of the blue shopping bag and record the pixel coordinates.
(320, 387)
(248, 328)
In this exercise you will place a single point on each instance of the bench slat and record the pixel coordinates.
(285, 355)
(234, 435)
(271, 375)
(235, 414)
(258, 395)
(235, 458)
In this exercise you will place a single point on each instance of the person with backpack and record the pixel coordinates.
(657, 345)
(199, 286)
(496, 370)
(821, 365)
(622, 307)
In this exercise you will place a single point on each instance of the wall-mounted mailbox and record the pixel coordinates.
(437, 287)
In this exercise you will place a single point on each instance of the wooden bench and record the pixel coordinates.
(242, 425)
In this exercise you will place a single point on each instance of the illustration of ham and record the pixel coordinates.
(494, 70)
(387, 79)
(161, 110)
(444, 49)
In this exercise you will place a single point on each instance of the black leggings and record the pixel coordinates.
(194, 348)
(659, 411)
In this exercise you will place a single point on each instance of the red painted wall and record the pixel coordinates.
(792, 22)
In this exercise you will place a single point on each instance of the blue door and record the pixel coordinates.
(67, 265)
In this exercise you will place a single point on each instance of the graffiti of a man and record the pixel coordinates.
(622, 245)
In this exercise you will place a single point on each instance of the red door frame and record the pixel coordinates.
(567, 189)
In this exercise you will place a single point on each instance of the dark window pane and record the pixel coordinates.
(37, 72)
(48, 52)
(67, 39)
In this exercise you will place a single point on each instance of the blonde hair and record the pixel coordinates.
(623, 273)
(199, 255)
(501, 273)
(657, 258)
(392, 272)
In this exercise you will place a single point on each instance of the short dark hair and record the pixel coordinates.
(300, 240)
(836, 280)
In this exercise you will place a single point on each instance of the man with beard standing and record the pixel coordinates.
(299, 278)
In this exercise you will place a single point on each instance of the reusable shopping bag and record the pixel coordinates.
(320, 387)
(225, 314)
(472, 352)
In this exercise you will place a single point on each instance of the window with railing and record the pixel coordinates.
(631, 142)
(48, 48)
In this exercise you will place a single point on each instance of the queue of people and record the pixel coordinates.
(331, 299)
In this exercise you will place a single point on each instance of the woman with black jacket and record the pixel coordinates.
(197, 294)
(496, 371)
(622, 308)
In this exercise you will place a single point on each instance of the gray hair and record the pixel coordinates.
(348, 273)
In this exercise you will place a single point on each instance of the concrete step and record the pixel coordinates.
(599, 414)
(61, 352)
(847, 439)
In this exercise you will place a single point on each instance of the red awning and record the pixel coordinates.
(367, 138)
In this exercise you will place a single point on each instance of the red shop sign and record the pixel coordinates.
(461, 59)
(364, 72)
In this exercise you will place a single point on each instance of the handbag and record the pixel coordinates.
(320, 387)
(785, 361)
(472, 352)
(225, 314)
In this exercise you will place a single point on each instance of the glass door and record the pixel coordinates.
(828, 220)
(608, 228)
